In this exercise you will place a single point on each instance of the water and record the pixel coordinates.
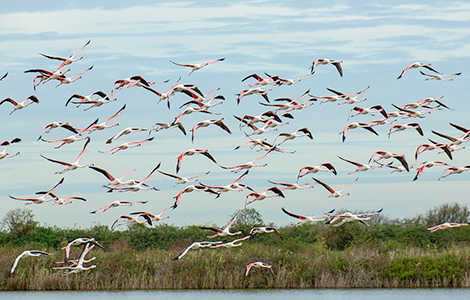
(330, 294)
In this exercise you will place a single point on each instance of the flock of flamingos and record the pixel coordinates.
(198, 102)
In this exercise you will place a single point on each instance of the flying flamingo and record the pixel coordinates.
(67, 60)
(262, 81)
(78, 242)
(189, 111)
(232, 243)
(62, 201)
(295, 134)
(135, 80)
(334, 193)
(401, 127)
(4, 153)
(218, 122)
(53, 125)
(264, 194)
(194, 246)
(198, 66)
(116, 204)
(367, 126)
(235, 186)
(361, 167)
(152, 217)
(138, 185)
(189, 189)
(183, 180)
(349, 217)
(128, 145)
(445, 225)
(96, 102)
(416, 65)
(439, 77)
(125, 131)
(74, 165)
(205, 105)
(72, 138)
(386, 155)
(45, 75)
(78, 266)
(454, 170)
(67, 80)
(329, 168)
(103, 125)
(25, 254)
(20, 105)
(260, 130)
(434, 145)
(365, 111)
(41, 199)
(428, 164)
(191, 152)
(258, 264)
(293, 186)
(222, 232)
(161, 126)
(265, 229)
(283, 81)
(113, 180)
(253, 91)
(128, 220)
(307, 219)
(247, 165)
(263, 117)
(454, 141)
(324, 61)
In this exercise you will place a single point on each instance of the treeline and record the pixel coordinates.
(389, 253)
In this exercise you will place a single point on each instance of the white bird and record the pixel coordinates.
(20, 105)
(4, 153)
(307, 219)
(232, 243)
(361, 167)
(196, 67)
(151, 217)
(334, 193)
(127, 145)
(440, 77)
(290, 136)
(416, 65)
(74, 165)
(445, 225)
(125, 131)
(454, 170)
(349, 217)
(314, 169)
(55, 124)
(25, 254)
(222, 232)
(218, 122)
(183, 180)
(247, 165)
(67, 60)
(194, 246)
(324, 61)
(265, 229)
(73, 138)
(138, 185)
(253, 91)
(117, 203)
(264, 194)
(78, 267)
(95, 102)
(41, 199)
(258, 264)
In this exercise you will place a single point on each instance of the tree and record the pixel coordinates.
(247, 219)
(19, 221)
(448, 212)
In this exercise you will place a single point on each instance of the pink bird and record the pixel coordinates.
(333, 192)
(222, 232)
(72, 138)
(400, 127)
(253, 91)
(103, 125)
(138, 185)
(41, 199)
(309, 169)
(232, 243)
(446, 225)
(386, 155)
(366, 126)
(454, 170)
(290, 136)
(151, 217)
(264, 194)
(218, 122)
(128, 145)
(191, 152)
(116, 204)
(325, 61)
(67, 60)
(198, 66)
(53, 125)
(428, 164)
(361, 167)
(20, 105)
(248, 165)
(434, 145)
(349, 217)
(258, 264)
(365, 111)
(113, 180)
(4, 153)
(189, 189)
(308, 219)
(283, 81)
(415, 66)
(95, 102)
(67, 80)
(74, 165)
(262, 81)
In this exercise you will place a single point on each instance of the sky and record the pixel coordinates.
(375, 41)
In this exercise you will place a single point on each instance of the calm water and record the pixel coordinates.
(363, 294)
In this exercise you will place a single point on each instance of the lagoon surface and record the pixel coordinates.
(363, 294)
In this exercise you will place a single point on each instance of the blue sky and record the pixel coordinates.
(375, 41)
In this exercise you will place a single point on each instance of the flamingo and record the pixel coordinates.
(194, 246)
(96, 102)
(416, 65)
(264, 194)
(262, 81)
(189, 111)
(123, 219)
(247, 165)
(329, 168)
(125, 131)
(454, 141)
(20, 105)
(445, 225)
(235, 186)
(162, 126)
(4, 76)
(67, 60)
(428, 164)
(103, 125)
(62, 201)
(434, 145)
(189, 189)
(292, 103)
(263, 117)
(151, 217)
(222, 232)
(354, 125)
(218, 122)
(260, 130)
(53, 125)
(183, 180)
(295, 134)
(349, 217)
(401, 127)
(78, 266)
(365, 111)
(293, 186)
(74, 165)
(78, 242)
(135, 80)
(454, 170)
(325, 61)
(25, 254)
(138, 185)
(258, 264)
(4, 153)
(253, 91)
(283, 81)
(406, 113)
(116, 204)
(439, 77)
(41, 199)
(265, 229)
(386, 155)
(45, 75)
(113, 180)
(67, 80)
(72, 138)
(128, 145)
(191, 152)
(198, 66)
(350, 98)
(361, 167)
(205, 105)
(334, 193)
(232, 243)
(307, 219)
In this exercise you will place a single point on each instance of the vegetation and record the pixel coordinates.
(389, 253)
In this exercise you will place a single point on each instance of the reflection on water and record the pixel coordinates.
(363, 294)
